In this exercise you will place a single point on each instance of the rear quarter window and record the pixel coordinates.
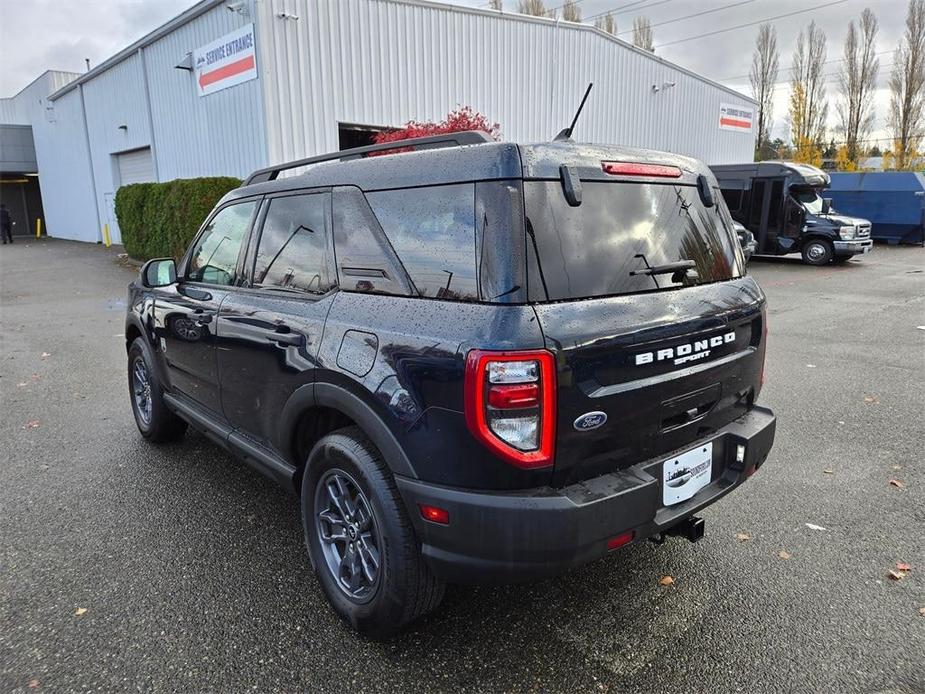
(432, 230)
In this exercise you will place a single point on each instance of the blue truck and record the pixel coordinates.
(893, 201)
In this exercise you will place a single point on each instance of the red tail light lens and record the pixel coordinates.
(513, 397)
(510, 404)
(628, 168)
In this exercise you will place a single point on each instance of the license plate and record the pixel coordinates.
(686, 474)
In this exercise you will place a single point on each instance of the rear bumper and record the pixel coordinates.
(852, 247)
(516, 536)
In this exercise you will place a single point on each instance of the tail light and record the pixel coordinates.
(510, 402)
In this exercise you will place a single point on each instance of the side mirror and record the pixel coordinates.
(159, 272)
(826, 205)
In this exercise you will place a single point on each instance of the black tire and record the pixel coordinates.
(154, 420)
(817, 252)
(403, 588)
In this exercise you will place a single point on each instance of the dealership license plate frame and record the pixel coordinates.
(686, 474)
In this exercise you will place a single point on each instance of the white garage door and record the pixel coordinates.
(135, 166)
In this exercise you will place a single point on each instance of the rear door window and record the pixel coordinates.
(293, 248)
(619, 229)
(432, 230)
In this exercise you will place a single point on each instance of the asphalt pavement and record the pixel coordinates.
(125, 566)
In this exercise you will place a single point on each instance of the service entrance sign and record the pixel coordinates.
(227, 61)
(734, 117)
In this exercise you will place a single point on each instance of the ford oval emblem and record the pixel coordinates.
(590, 420)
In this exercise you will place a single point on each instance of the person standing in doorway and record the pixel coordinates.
(6, 224)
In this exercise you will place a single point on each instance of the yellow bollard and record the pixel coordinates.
(106, 235)
(38, 227)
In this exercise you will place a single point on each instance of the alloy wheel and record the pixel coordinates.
(141, 390)
(347, 533)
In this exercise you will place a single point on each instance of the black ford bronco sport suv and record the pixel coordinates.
(472, 361)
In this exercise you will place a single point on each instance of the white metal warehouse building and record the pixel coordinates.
(229, 87)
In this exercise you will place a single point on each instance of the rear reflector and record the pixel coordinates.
(621, 539)
(627, 168)
(435, 514)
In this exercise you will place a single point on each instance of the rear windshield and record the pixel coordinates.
(620, 228)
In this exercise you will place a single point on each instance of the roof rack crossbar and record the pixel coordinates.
(466, 137)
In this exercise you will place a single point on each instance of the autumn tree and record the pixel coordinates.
(857, 80)
(496, 4)
(642, 34)
(571, 12)
(762, 76)
(907, 89)
(808, 106)
(463, 118)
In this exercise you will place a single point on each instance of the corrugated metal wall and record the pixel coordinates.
(374, 62)
(219, 134)
(145, 101)
(384, 62)
(64, 165)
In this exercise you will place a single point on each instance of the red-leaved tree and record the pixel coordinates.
(464, 118)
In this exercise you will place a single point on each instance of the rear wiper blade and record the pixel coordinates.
(667, 268)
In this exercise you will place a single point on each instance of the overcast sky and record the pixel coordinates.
(36, 35)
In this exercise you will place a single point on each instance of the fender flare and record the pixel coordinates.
(323, 394)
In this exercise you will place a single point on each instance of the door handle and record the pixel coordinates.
(284, 336)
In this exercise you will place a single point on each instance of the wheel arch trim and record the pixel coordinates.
(324, 394)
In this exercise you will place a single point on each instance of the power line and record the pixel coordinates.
(691, 16)
(622, 9)
(790, 68)
(748, 24)
(828, 78)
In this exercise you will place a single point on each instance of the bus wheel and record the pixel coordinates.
(817, 252)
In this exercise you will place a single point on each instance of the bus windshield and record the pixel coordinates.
(809, 199)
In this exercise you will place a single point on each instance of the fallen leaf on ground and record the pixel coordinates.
(903, 566)
(896, 575)
(665, 581)
(32, 424)
(898, 484)
(784, 554)
(80, 611)
(45, 355)
(33, 684)
(922, 611)
(871, 399)
(829, 472)
(22, 385)
(743, 537)
(896, 467)
(813, 526)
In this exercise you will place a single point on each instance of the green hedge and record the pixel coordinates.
(158, 220)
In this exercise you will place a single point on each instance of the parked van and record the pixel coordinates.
(781, 203)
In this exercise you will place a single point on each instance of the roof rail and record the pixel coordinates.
(466, 137)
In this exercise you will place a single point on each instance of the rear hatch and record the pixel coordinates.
(647, 363)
